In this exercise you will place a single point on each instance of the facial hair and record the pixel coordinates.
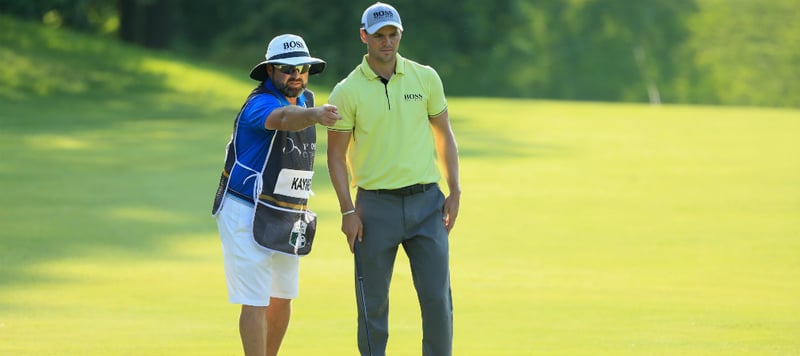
(283, 88)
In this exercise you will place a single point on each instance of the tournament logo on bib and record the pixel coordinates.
(297, 238)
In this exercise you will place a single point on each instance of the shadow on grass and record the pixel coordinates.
(103, 156)
(99, 180)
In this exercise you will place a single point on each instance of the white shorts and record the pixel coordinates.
(253, 274)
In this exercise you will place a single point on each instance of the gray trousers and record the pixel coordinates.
(415, 222)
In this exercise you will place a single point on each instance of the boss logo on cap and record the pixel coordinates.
(382, 13)
(293, 45)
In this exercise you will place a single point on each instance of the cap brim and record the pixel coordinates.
(259, 72)
(374, 28)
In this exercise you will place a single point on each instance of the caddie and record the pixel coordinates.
(261, 201)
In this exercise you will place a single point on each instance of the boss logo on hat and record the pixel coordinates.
(383, 13)
(293, 45)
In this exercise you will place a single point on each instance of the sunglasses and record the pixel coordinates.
(289, 69)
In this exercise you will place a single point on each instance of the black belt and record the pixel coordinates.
(404, 191)
(240, 195)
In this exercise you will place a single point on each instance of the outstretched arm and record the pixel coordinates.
(296, 118)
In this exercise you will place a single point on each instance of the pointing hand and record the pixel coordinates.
(328, 115)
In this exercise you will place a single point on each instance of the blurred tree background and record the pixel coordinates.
(729, 52)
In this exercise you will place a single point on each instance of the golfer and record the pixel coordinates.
(260, 205)
(393, 130)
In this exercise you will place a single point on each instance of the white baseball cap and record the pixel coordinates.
(379, 15)
(287, 49)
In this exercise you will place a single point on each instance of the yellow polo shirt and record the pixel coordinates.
(392, 143)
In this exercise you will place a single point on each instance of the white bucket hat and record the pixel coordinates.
(287, 49)
(379, 15)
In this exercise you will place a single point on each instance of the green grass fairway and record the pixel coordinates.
(585, 228)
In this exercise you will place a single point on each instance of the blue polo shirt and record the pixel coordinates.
(253, 140)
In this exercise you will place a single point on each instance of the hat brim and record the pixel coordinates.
(374, 28)
(259, 72)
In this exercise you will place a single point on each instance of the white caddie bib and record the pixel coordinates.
(294, 183)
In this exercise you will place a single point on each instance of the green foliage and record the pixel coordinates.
(83, 15)
(584, 228)
(742, 52)
(748, 52)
